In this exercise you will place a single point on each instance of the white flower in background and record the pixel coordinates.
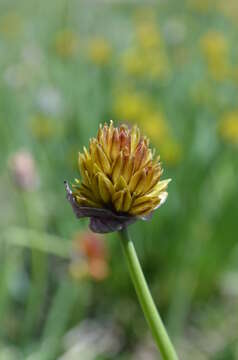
(15, 76)
(145, 350)
(174, 31)
(49, 101)
(29, 67)
(32, 56)
(90, 339)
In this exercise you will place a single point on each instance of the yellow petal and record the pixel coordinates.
(122, 200)
(149, 177)
(139, 189)
(120, 184)
(126, 201)
(156, 174)
(145, 199)
(145, 204)
(104, 140)
(147, 160)
(81, 162)
(85, 170)
(142, 209)
(117, 200)
(128, 167)
(117, 167)
(100, 134)
(159, 187)
(87, 202)
(140, 154)
(135, 138)
(92, 147)
(115, 144)
(106, 189)
(95, 186)
(87, 179)
(86, 160)
(88, 193)
(108, 131)
(86, 153)
(96, 169)
(135, 180)
(103, 160)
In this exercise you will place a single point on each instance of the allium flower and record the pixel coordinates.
(120, 180)
(120, 184)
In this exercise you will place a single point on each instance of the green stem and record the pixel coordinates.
(151, 314)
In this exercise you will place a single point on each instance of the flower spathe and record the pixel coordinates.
(120, 179)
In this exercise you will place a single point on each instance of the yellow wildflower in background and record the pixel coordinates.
(147, 56)
(133, 62)
(99, 51)
(214, 47)
(148, 36)
(228, 127)
(171, 151)
(151, 64)
(214, 44)
(202, 6)
(144, 13)
(155, 126)
(66, 43)
(137, 108)
(42, 127)
(229, 9)
(157, 64)
(132, 106)
(11, 24)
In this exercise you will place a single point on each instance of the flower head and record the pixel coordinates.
(120, 179)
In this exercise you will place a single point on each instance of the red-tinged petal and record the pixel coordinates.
(135, 180)
(106, 189)
(103, 160)
(117, 167)
(128, 167)
(115, 144)
(120, 184)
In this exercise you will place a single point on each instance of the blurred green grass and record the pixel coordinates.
(171, 68)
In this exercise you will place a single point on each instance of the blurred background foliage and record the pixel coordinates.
(172, 68)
